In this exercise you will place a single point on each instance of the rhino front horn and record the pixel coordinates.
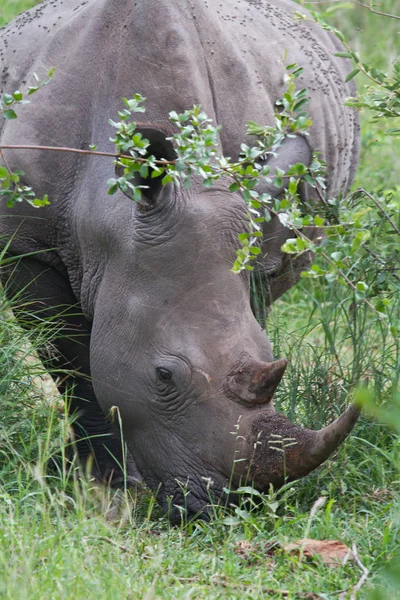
(328, 439)
(283, 451)
(255, 382)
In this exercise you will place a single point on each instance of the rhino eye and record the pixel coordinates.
(164, 374)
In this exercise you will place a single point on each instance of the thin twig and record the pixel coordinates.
(320, 196)
(287, 593)
(363, 577)
(380, 260)
(4, 160)
(380, 208)
(358, 3)
(79, 151)
(360, 66)
(103, 538)
(242, 586)
(341, 592)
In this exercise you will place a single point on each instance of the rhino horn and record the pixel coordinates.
(283, 451)
(255, 382)
(328, 439)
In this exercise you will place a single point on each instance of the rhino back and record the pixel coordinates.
(226, 55)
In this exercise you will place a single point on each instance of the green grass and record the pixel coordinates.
(56, 541)
(10, 8)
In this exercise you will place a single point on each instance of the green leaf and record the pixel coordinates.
(300, 169)
(352, 74)
(254, 129)
(208, 183)
(361, 286)
(339, 35)
(248, 491)
(9, 114)
(343, 54)
(157, 172)
(144, 171)
(318, 221)
(167, 179)
(292, 186)
(290, 246)
(112, 189)
(137, 194)
(331, 277)
(301, 244)
(39, 202)
(300, 103)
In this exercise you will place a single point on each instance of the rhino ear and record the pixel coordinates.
(276, 272)
(294, 150)
(159, 147)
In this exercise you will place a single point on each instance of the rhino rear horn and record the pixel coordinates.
(255, 382)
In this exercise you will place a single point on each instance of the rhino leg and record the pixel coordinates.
(45, 294)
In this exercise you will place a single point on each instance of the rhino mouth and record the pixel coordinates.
(285, 452)
(192, 500)
(278, 452)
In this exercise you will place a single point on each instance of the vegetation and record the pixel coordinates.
(57, 539)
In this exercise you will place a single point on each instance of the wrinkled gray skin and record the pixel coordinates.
(155, 286)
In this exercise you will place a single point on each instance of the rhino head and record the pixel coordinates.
(176, 347)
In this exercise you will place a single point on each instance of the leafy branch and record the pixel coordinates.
(369, 7)
(346, 226)
(11, 187)
(382, 97)
(197, 154)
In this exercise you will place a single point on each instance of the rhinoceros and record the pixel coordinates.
(153, 320)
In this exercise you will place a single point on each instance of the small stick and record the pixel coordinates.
(79, 151)
(103, 538)
(380, 260)
(359, 3)
(380, 208)
(363, 577)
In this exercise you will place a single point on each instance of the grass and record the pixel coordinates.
(56, 541)
(11, 8)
